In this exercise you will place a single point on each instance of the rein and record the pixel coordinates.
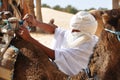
(117, 33)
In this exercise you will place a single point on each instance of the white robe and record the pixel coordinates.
(72, 60)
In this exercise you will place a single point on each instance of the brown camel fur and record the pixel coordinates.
(105, 62)
(32, 64)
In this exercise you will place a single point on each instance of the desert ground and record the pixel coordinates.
(62, 20)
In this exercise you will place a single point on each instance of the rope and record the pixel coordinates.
(68, 78)
(5, 48)
(114, 32)
(8, 43)
(1, 3)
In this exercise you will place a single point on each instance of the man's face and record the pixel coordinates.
(74, 34)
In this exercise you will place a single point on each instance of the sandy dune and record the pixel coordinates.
(62, 19)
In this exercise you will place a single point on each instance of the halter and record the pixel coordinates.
(117, 33)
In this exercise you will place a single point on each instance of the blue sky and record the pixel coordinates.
(80, 4)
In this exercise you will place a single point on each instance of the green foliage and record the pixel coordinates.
(45, 5)
(57, 7)
(102, 8)
(90, 9)
(69, 8)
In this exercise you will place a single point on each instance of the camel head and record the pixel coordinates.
(7, 31)
(106, 58)
(111, 19)
(98, 16)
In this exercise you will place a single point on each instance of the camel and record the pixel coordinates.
(33, 64)
(105, 61)
(18, 8)
(103, 65)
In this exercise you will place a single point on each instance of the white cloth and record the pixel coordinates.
(74, 39)
(72, 60)
(84, 22)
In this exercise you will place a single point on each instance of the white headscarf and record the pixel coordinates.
(86, 23)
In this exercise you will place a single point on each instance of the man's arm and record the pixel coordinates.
(49, 52)
(24, 33)
(46, 27)
(49, 28)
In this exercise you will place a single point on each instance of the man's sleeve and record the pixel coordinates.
(71, 61)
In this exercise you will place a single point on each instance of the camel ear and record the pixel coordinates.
(97, 14)
(94, 16)
(101, 13)
(105, 18)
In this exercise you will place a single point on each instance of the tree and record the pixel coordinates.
(45, 5)
(71, 9)
(3, 5)
(57, 7)
(115, 4)
(38, 12)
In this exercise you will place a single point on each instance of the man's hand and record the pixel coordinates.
(51, 22)
(24, 33)
(30, 19)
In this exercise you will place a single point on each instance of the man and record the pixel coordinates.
(72, 48)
